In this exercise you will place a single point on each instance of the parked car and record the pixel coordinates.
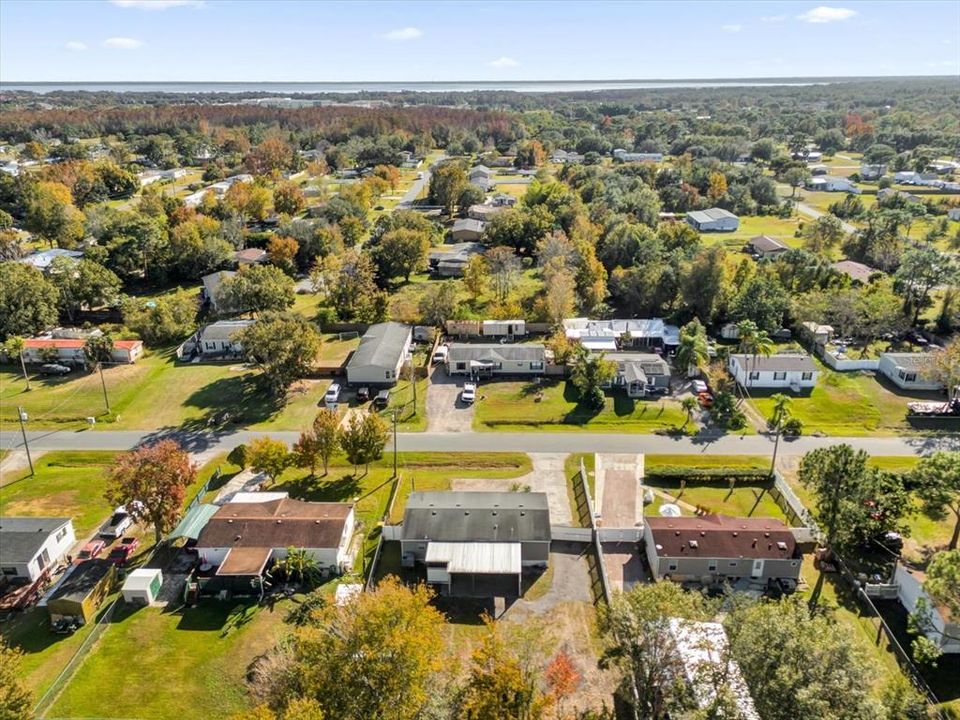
(705, 399)
(117, 524)
(363, 394)
(382, 400)
(55, 369)
(699, 386)
(124, 551)
(65, 626)
(469, 393)
(917, 339)
(332, 396)
(440, 355)
(89, 551)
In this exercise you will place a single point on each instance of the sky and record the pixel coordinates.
(305, 41)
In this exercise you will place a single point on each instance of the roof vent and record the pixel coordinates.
(229, 520)
(694, 544)
(279, 521)
(494, 513)
(433, 512)
(466, 512)
(677, 533)
(766, 534)
(735, 533)
(659, 548)
(754, 543)
(781, 545)
(522, 513)
(703, 534)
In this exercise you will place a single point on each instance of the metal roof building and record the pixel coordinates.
(476, 544)
(378, 360)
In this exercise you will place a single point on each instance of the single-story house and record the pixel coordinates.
(953, 213)
(764, 247)
(943, 628)
(640, 374)
(503, 328)
(905, 177)
(889, 193)
(218, 339)
(80, 594)
(784, 370)
(481, 176)
(484, 212)
(476, 544)
(142, 586)
(562, 156)
(70, 350)
(210, 292)
(816, 333)
(909, 371)
(467, 230)
(702, 649)
(831, 183)
(714, 549)
(503, 200)
(451, 260)
(624, 156)
(30, 545)
(942, 167)
(241, 539)
(856, 271)
(42, 260)
(380, 357)
(626, 334)
(250, 256)
(872, 171)
(494, 359)
(713, 220)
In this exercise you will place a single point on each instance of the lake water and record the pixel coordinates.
(293, 88)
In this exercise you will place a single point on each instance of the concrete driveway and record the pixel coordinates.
(445, 411)
(548, 476)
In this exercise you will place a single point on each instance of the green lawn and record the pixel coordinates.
(782, 229)
(847, 404)
(654, 463)
(67, 484)
(179, 665)
(514, 406)
(744, 500)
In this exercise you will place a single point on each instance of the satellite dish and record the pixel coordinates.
(670, 510)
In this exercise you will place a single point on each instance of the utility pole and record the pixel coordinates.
(22, 414)
(413, 380)
(103, 384)
(393, 416)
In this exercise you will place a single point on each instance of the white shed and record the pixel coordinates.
(142, 586)
(504, 328)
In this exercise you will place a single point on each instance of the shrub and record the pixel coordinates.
(238, 456)
(793, 427)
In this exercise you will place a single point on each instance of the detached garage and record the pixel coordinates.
(82, 592)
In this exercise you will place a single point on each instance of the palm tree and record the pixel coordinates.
(689, 404)
(693, 351)
(15, 346)
(754, 342)
(299, 565)
(781, 413)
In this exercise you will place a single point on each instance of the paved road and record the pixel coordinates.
(410, 196)
(568, 442)
(814, 213)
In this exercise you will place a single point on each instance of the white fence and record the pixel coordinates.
(392, 532)
(633, 535)
(846, 364)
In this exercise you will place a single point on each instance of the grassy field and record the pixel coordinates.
(653, 463)
(782, 229)
(513, 406)
(744, 500)
(67, 484)
(185, 664)
(847, 404)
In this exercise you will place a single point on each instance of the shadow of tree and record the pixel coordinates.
(240, 400)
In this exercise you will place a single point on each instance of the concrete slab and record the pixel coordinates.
(624, 565)
(619, 489)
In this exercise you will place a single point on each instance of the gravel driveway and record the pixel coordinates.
(548, 476)
(445, 411)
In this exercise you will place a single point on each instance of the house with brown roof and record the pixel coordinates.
(856, 271)
(717, 549)
(250, 256)
(764, 246)
(70, 350)
(241, 539)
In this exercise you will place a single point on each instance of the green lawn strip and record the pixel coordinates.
(66, 484)
(513, 406)
(745, 499)
(186, 664)
(655, 463)
(783, 229)
(847, 404)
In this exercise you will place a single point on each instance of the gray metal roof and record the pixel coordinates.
(382, 345)
(649, 363)
(224, 329)
(765, 243)
(913, 361)
(702, 216)
(477, 517)
(495, 352)
(469, 224)
(456, 251)
(776, 363)
(502, 558)
(22, 537)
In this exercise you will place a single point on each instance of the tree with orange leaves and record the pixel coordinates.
(151, 483)
(562, 679)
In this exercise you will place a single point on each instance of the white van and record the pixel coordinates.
(440, 355)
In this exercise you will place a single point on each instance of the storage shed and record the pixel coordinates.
(142, 585)
(83, 591)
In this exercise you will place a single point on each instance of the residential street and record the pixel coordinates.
(564, 442)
